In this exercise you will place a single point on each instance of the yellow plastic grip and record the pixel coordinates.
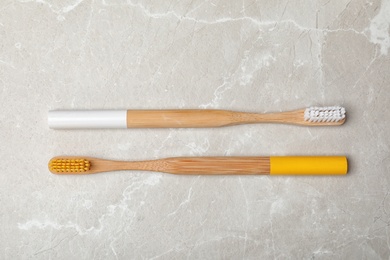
(308, 165)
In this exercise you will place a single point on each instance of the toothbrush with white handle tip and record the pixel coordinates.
(196, 118)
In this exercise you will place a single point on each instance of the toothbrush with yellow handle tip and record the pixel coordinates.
(274, 165)
(75, 119)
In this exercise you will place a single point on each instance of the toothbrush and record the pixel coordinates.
(73, 119)
(274, 165)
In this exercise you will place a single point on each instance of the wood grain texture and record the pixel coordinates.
(213, 118)
(181, 165)
(178, 118)
(218, 165)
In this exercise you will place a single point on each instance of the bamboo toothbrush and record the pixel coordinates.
(312, 116)
(274, 165)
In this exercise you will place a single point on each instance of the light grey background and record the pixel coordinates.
(239, 55)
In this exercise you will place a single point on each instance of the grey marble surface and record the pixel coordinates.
(240, 55)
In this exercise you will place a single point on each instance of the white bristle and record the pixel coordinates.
(324, 114)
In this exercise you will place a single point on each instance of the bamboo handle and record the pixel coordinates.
(217, 165)
(178, 118)
(206, 118)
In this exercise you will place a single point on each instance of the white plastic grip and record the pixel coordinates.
(79, 119)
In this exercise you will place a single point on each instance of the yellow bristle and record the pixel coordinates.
(69, 165)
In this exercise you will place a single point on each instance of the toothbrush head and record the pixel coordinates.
(325, 115)
(69, 165)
